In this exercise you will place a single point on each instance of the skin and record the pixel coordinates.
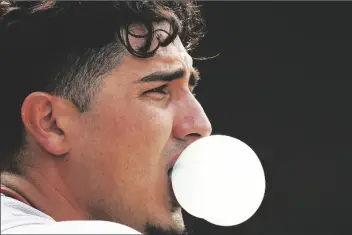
(110, 163)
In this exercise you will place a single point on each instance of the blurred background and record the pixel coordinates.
(282, 84)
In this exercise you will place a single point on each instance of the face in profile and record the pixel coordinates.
(141, 118)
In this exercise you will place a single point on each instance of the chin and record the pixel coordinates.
(178, 219)
(153, 229)
(175, 226)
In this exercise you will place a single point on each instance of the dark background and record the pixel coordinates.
(282, 84)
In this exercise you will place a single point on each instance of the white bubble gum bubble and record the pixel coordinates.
(220, 179)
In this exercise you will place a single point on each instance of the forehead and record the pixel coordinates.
(174, 54)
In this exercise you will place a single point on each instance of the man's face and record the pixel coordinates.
(123, 146)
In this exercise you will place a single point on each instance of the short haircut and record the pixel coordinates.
(66, 48)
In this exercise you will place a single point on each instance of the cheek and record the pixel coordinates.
(140, 126)
(131, 137)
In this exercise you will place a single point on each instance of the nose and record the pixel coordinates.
(191, 122)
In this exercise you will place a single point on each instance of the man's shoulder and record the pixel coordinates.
(19, 218)
(15, 213)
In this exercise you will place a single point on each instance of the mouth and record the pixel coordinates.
(172, 162)
(170, 165)
(174, 203)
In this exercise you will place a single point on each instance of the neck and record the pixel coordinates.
(42, 195)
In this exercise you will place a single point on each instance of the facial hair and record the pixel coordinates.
(157, 230)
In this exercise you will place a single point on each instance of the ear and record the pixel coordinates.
(41, 116)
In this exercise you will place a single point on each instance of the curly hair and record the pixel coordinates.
(66, 48)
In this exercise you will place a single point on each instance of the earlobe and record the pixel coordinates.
(40, 121)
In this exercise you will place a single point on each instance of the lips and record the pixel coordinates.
(172, 195)
(172, 161)
(170, 166)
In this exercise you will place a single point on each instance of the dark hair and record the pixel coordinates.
(65, 48)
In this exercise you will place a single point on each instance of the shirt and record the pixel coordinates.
(20, 218)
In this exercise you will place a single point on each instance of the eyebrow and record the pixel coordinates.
(170, 76)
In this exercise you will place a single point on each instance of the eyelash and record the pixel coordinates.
(159, 89)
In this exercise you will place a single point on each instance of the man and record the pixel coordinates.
(98, 108)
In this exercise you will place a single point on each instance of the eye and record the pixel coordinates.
(161, 89)
(158, 92)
